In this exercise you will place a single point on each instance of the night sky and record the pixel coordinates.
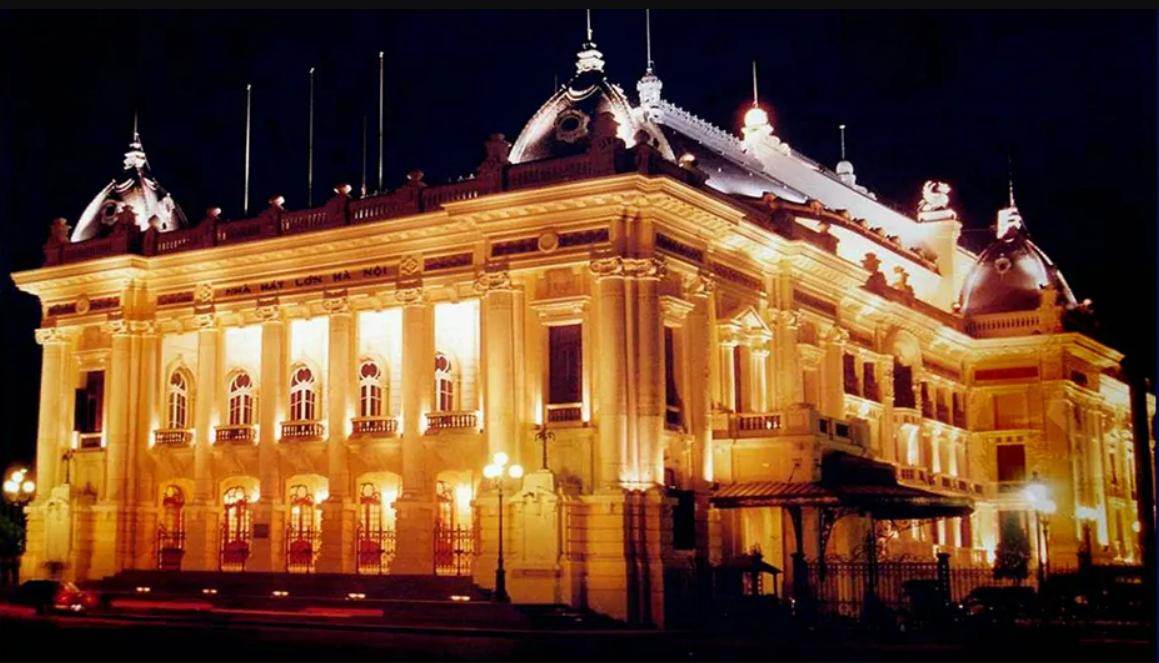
(1070, 96)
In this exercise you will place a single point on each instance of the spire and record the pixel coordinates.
(845, 167)
(135, 157)
(841, 128)
(756, 120)
(1009, 218)
(756, 97)
(648, 40)
(589, 57)
(649, 85)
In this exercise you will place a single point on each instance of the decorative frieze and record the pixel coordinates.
(492, 280)
(50, 335)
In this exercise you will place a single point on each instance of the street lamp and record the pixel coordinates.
(1038, 495)
(495, 473)
(18, 488)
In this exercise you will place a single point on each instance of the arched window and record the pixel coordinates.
(444, 383)
(178, 401)
(241, 400)
(369, 389)
(303, 394)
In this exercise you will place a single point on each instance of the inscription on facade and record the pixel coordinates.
(306, 282)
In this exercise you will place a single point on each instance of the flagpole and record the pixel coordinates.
(380, 68)
(310, 148)
(246, 194)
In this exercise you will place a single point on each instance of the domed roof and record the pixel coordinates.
(563, 125)
(1012, 273)
(140, 190)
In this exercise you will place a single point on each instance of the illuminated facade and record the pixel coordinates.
(698, 320)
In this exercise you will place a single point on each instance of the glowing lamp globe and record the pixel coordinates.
(515, 471)
(499, 458)
(492, 471)
(11, 486)
(756, 117)
(28, 486)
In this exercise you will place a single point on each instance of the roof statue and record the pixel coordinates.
(139, 191)
(935, 204)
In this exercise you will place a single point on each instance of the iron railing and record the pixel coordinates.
(240, 434)
(374, 551)
(454, 550)
(170, 549)
(301, 549)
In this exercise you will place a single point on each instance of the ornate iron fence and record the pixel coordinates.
(170, 549)
(454, 550)
(374, 551)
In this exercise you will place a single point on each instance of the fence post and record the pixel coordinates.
(943, 577)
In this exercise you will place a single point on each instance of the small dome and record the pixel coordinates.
(140, 191)
(844, 167)
(1010, 275)
(563, 126)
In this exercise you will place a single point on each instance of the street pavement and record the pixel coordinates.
(266, 635)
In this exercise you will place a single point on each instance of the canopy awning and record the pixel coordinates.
(851, 482)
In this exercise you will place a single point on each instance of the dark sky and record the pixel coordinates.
(1070, 95)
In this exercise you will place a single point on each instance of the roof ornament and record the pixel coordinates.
(649, 86)
(589, 58)
(135, 157)
(756, 120)
(1009, 218)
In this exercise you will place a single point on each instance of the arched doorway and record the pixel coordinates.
(303, 534)
(171, 529)
(454, 527)
(236, 528)
(376, 541)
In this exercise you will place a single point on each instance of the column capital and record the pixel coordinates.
(645, 268)
(117, 327)
(410, 296)
(335, 303)
(701, 285)
(493, 281)
(607, 267)
(204, 321)
(789, 318)
(53, 335)
(837, 336)
(147, 327)
(269, 312)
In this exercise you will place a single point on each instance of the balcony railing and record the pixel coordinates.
(90, 441)
(437, 421)
(173, 437)
(300, 431)
(1011, 486)
(558, 413)
(374, 426)
(236, 434)
(757, 422)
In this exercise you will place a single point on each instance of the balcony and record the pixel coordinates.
(757, 423)
(1011, 486)
(90, 441)
(173, 437)
(439, 421)
(374, 426)
(913, 474)
(565, 413)
(302, 431)
(238, 434)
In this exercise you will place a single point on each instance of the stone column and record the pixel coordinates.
(699, 397)
(832, 373)
(50, 444)
(266, 553)
(761, 379)
(648, 347)
(728, 396)
(611, 355)
(748, 386)
(337, 550)
(200, 554)
(498, 362)
(415, 507)
(786, 363)
(142, 494)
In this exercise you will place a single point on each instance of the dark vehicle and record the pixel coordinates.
(1002, 605)
(926, 606)
(53, 596)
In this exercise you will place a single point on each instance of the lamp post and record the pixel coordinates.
(1038, 495)
(18, 490)
(495, 472)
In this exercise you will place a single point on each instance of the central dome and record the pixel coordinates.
(563, 125)
(1012, 273)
